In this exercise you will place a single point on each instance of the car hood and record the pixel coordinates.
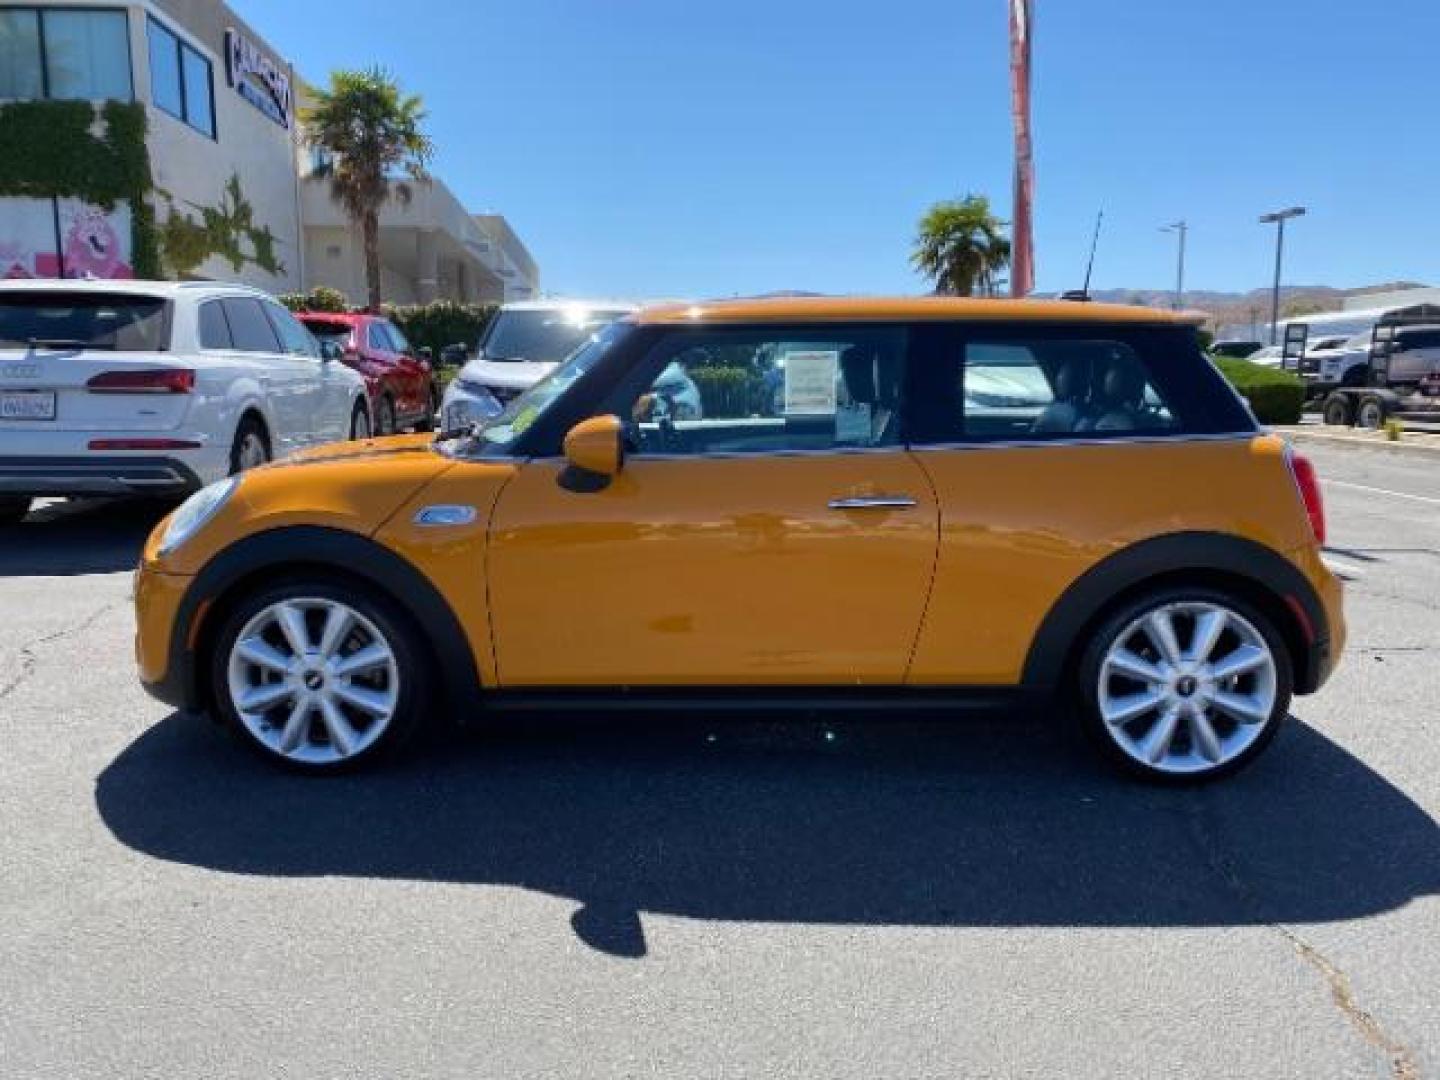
(506, 374)
(385, 447)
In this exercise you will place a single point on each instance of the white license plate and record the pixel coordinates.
(27, 405)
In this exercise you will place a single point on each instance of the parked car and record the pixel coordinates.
(519, 346)
(1269, 356)
(871, 535)
(399, 381)
(156, 388)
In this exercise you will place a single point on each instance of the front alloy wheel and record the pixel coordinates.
(320, 678)
(1187, 687)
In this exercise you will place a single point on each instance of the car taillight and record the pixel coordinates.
(1309, 485)
(143, 381)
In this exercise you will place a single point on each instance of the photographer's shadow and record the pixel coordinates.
(904, 824)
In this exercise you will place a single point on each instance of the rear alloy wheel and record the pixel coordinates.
(1185, 685)
(318, 676)
(360, 422)
(251, 448)
(1337, 411)
(385, 417)
(13, 509)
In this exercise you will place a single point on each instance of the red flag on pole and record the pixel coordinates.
(1022, 253)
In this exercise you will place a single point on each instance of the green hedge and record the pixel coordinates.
(444, 322)
(320, 298)
(1275, 396)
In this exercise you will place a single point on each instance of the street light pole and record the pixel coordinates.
(1279, 217)
(1181, 228)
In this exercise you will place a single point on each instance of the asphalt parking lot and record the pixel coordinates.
(866, 899)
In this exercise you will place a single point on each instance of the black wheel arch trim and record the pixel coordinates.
(1172, 556)
(344, 554)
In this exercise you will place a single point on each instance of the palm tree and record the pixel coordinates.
(960, 246)
(371, 136)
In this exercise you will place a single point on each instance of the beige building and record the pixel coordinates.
(430, 248)
(231, 193)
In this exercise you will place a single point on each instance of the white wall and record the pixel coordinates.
(194, 169)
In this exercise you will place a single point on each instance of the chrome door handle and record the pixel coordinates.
(873, 502)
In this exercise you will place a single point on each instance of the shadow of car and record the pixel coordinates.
(869, 823)
(81, 536)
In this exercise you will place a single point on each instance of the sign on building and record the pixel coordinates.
(257, 78)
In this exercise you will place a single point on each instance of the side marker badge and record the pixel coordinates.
(444, 514)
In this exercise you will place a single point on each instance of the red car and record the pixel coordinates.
(398, 378)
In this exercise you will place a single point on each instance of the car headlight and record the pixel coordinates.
(195, 511)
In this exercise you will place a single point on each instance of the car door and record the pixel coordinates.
(774, 532)
(410, 371)
(286, 383)
(324, 387)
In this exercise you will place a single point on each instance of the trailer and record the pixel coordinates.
(1397, 381)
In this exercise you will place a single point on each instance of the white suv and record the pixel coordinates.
(144, 387)
(521, 345)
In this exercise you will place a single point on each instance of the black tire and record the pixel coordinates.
(249, 434)
(385, 417)
(360, 422)
(432, 412)
(1371, 413)
(1088, 672)
(399, 633)
(1337, 412)
(13, 509)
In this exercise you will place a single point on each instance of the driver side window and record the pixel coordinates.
(778, 390)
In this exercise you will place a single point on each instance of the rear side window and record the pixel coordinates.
(249, 327)
(1039, 383)
(83, 320)
(214, 330)
(294, 338)
(1038, 388)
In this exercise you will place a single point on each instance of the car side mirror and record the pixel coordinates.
(597, 445)
(452, 355)
(330, 350)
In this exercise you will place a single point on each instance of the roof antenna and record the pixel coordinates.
(1083, 293)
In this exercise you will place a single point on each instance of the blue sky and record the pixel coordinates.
(649, 148)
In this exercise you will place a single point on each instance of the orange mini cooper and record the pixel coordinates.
(815, 502)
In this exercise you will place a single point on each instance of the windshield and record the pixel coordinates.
(82, 320)
(523, 411)
(542, 336)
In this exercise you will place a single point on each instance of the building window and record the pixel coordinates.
(181, 82)
(72, 53)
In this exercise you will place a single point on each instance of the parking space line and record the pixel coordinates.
(1383, 491)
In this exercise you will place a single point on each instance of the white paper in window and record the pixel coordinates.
(810, 382)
